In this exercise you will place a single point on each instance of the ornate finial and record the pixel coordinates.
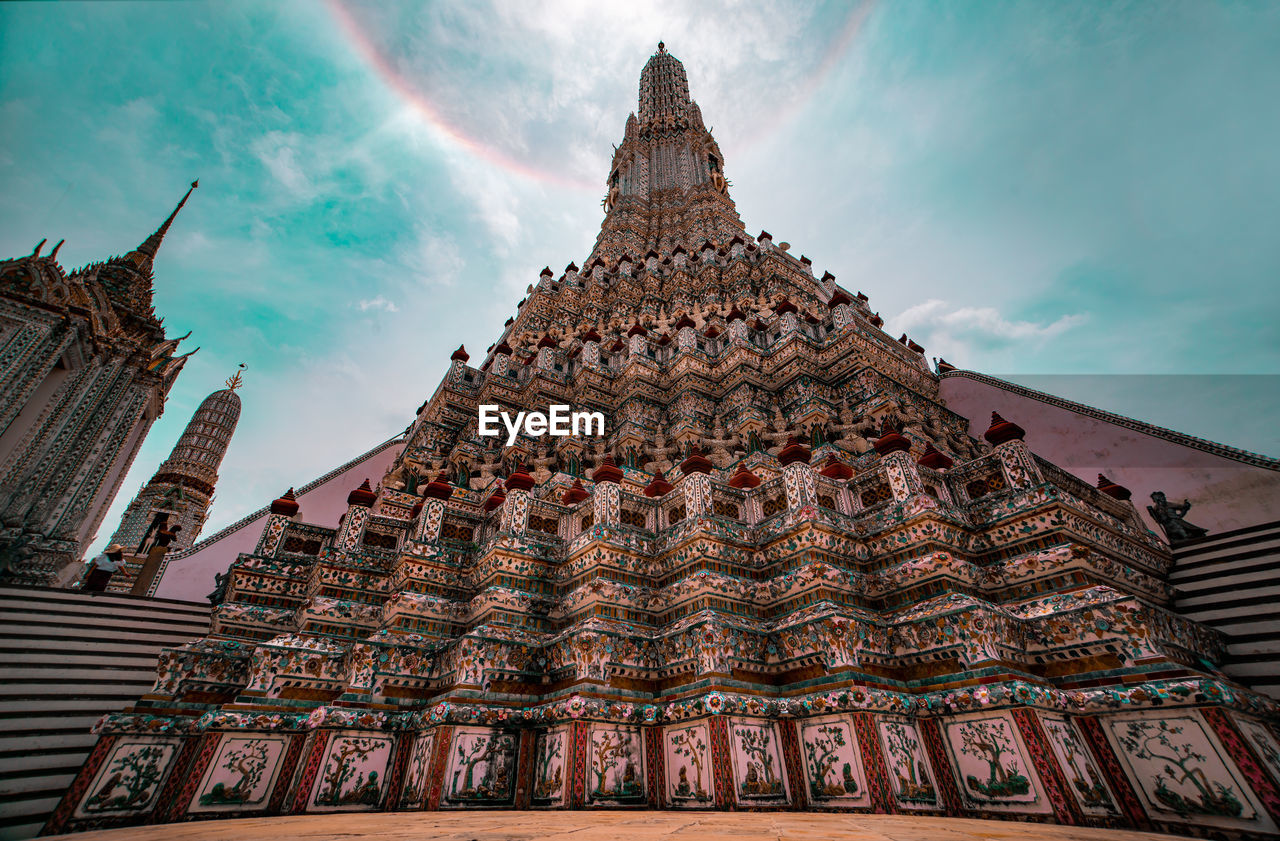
(236, 380)
(662, 48)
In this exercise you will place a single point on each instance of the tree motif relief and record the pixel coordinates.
(1180, 782)
(549, 778)
(1081, 772)
(345, 781)
(692, 746)
(483, 768)
(902, 744)
(824, 747)
(247, 761)
(990, 741)
(132, 779)
(415, 777)
(616, 765)
(761, 779)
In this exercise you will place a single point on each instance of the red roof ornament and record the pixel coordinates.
(591, 335)
(1113, 490)
(836, 469)
(574, 494)
(415, 510)
(438, 488)
(933, 459)
(520, 480)
(876, 320)
(743, 478)
(839, 298)
(785, 306)
(696, 462)
(503, 348)
(546, 272)
(287, 504)
(685, 321)
(362, 496)
(891, 441)
(1002, 431)
(735, 314)
(607, 472)
(793, 452)
(658, 486)
(460, 355)
(637, 330)
(546, 341)
(496, 498)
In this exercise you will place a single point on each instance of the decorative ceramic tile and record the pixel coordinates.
(1182, 773)
(353, 776)
(482, 767)
(241, 774)
(549, 767)
(757, 762)
(909, 772)
(413, 794)
(615, 765)
(1083, 777)
(832, 763)
(1264, 744)
(130, 779)
(690, 783)
(994, 769)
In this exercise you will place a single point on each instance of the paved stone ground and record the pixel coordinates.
(609, 826)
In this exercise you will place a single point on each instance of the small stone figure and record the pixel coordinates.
(221, 579)
(1169, 516)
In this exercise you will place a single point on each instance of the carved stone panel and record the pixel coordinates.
(690, 783)
(241, 774)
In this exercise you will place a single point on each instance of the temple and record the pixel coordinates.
(787, 577)
(85, 368)
(170, 509)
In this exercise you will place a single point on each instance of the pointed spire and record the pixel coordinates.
(146, 252)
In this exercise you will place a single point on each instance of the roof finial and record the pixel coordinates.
(149, 248)
(236, 380)
(39, 245)
(662, 48)
(53, 255)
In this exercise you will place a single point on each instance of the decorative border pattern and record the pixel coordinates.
(874, 765)
(789, 741)
(722, 763)
(655, 766)
(1065, 808)
(944, 774)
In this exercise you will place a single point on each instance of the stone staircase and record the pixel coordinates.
(66, 658)
(1231, 581)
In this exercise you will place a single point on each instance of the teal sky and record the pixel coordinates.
(1026, 188)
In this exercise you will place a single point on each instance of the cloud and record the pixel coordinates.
(378, 303)
(277, 151)
(961, 332)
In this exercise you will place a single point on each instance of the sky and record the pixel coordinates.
(1028, 189)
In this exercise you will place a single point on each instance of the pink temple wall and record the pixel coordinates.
(1225, 494)
(191, 578)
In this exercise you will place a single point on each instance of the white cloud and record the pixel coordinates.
(964, 333)
(378, 303)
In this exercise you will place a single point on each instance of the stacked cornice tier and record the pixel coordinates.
(784, 577)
